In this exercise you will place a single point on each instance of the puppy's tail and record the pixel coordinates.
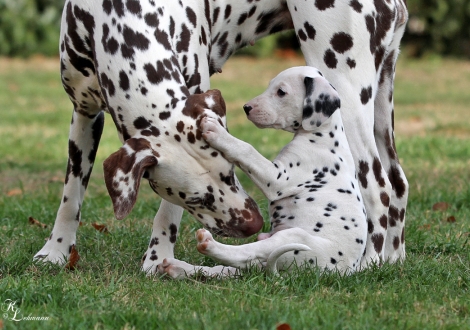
(271, 263)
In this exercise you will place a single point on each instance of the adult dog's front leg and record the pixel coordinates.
(164, 235)
(271, 177)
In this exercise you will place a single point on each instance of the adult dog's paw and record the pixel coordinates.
(175, 268)
(56, 250)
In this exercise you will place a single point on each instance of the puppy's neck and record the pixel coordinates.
(333, 123)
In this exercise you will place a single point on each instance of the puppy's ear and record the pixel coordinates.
(321, 101)
(123, 171)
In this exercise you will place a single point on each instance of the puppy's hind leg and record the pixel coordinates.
(271, 263)
(257, 253)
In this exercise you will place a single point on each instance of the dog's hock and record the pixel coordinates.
(271, 263)
(321, 101)
(123, 171)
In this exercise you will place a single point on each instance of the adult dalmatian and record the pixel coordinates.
(142, 60)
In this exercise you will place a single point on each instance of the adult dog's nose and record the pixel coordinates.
(247, 109)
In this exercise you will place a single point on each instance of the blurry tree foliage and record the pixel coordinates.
(435, 26)
(30, 26)
(438, 26)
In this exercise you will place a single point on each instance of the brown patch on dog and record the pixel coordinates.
(378, 240)
(384, 221)
(195, 104)
(385, 199)
(377, 169)
(362, 175)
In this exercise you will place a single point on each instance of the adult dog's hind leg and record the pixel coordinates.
(394, 248)
(164, 234)
(342, 50)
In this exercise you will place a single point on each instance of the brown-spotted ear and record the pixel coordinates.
(197, 103)
(123, 171)
(210, 103)
(218, 105)
(321, 101)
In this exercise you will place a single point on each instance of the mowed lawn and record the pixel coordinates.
(107, 290)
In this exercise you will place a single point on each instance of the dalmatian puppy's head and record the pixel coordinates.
(299, 97)
(183, 169)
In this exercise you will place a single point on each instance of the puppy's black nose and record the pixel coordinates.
(247, 109)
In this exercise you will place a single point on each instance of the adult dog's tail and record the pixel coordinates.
(271, 263)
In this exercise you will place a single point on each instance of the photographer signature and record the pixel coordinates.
(11, 312)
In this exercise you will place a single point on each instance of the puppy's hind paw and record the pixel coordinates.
(204, 241)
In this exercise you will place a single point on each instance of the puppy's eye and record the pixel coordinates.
(280, 92)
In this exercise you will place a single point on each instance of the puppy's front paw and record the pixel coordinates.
(211, 129)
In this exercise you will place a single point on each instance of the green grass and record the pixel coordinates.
(430, 290)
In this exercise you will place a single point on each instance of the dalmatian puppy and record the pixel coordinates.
(140, 61)
(316, 209)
